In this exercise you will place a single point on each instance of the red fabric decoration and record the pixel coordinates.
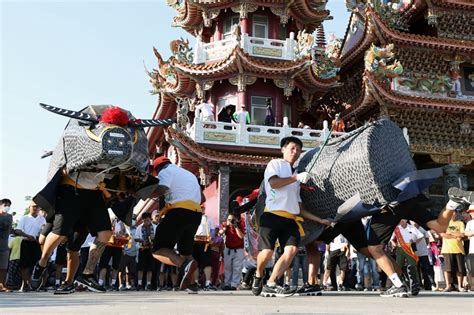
(115, 116)
(239, 200)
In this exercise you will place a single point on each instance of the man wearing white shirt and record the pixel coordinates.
(338, 250)
(29, 227)
(404, 238)
(282, 217)
(205, 111)
(181, 217)
(424, 262)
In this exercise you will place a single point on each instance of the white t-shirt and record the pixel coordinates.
(338, 243)
(31, 225)
(206, 227)
(286, 198)
(421, 245)
(182, 184)
(206, 111)
(410, 234)
(470, 227)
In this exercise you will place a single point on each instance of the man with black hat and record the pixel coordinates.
(181, 217)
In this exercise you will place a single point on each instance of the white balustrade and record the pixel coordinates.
(254, 46)
(222, 133)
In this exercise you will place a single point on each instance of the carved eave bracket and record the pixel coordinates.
(244, 9)
(241, 81)
(209, 15)
(287, 85)
(282, 13)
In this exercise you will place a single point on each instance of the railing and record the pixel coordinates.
(214, 132)
(254, 46)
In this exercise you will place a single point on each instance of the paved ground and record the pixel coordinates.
(238, 302)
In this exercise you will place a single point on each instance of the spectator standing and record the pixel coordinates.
(128, 263)
(202, 252)
(453, 252)
(469, 233)
(234, 231)
(338, 251)
(29, 228)
(242, 116)
(145, 235)
(338, 124)
(424, 264)
(300, 262)
(6, 221)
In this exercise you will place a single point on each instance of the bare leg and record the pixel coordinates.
(50, 243)
(314, 259)
(95, 251)
(168, 256)
(263, 258)
(283, 263)
(72, 266)
(441, 223)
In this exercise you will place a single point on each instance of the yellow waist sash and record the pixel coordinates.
(286, 214)
(185, 204)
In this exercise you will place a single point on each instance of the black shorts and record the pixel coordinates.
(382, 224)
(61, 253)
(164, 268)
(30, 253)
(273, 227)
(177, 227)
(128, 263)
(145, 259)
(86, 207)
(337, 258)
(354, 232)
(202, 257)
(454, 263)
(110, 252)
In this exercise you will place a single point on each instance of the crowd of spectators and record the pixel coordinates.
(226, 259)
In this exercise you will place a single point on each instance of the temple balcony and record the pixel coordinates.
(254, 46)
(256, 136)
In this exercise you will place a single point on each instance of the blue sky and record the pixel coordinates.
(71, 54)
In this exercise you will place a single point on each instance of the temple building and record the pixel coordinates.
(410, 60)
(413, 61)
(258, 55)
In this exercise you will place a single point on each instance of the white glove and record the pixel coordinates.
(303, 177)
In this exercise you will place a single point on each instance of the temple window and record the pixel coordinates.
(260, 26)
(259, 109)
(230, 24)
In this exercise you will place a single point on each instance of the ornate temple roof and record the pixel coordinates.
(191, 14)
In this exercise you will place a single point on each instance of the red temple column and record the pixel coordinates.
(278, 108)
(245, 26)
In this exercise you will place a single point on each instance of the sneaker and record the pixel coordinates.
(395, 292)
(277, 291)
(187, 270)
(257, 286)
(309, 290)
(37, 276)
(227, 287)
(244, 286)
(463, 197)
(123, 288)
(65, 288)
(25, 289)
(90, 283)
(411, 280)
(192, 288)
(210, 287)
(149, 288)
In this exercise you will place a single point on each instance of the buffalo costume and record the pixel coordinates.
(357, 174)
(103, 155)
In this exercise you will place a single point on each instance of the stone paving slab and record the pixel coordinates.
(237, 302)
